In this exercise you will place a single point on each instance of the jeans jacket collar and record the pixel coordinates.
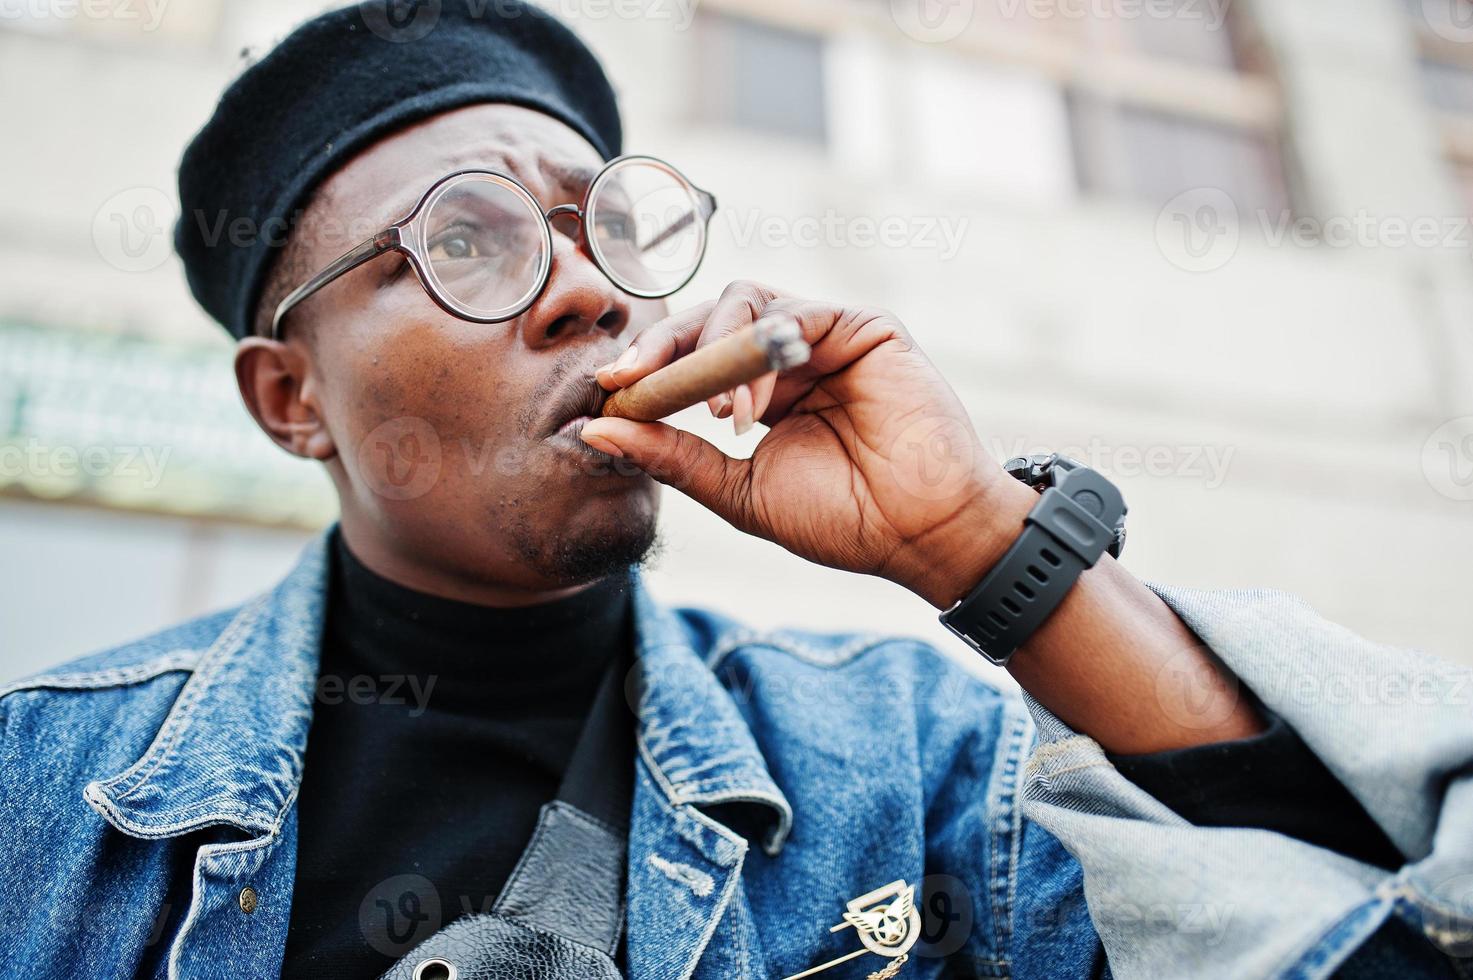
(252, 690)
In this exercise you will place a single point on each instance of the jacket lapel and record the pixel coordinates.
(230, 752)
(694, 751)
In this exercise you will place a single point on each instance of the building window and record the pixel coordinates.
(1448, 87)
(760, 76)
(1444, 34)
(1142, 154)
(1178, 103)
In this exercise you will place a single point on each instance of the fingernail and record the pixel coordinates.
(720, 406)
(626, 359)
(603, 445)
(742, 410)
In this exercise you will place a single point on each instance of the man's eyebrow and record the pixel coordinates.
(572, 176)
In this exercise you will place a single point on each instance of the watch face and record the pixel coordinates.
(1036, 471)
(1017, 468)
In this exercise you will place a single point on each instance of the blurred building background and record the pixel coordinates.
(1219, 249)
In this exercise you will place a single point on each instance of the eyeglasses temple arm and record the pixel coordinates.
(384, 241)
(706, 208)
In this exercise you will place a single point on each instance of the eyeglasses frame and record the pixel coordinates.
(407, 236)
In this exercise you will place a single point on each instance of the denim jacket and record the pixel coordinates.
(149, 828)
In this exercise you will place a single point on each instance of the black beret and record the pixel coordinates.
(338, 83)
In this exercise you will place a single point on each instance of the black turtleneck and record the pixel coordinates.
(440, 728)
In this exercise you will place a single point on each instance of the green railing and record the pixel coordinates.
(127, 422)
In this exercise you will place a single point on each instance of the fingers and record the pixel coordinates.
(656, 346)
(762, 394)
(740, 304)
(678, 459)
(838, 335)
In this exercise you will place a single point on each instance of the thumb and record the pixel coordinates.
(677, 459)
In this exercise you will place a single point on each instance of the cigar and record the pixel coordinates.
(773, 343)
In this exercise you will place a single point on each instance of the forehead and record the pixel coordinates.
(384, 181)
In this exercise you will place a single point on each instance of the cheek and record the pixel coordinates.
(426, 381)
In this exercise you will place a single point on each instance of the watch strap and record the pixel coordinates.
(1072, 524)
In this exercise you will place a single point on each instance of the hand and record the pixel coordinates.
(871, 464)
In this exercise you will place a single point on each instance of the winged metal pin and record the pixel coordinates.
(888, 925)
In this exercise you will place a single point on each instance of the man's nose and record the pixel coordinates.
(578, 299)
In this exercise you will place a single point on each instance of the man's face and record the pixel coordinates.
(457, 441)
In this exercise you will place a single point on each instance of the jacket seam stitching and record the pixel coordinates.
(1005, 844)
(679, 798)
(235, 815)
(211, 850)
(842, 655)
(179, 718)
(1051, 773)
(671, 793)
(181, 659)
(733, 877)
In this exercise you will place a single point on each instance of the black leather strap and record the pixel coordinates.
(560, 915)
(1065, 534)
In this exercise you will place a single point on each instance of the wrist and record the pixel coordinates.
(955, 556)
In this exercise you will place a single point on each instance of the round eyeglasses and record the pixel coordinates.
(481, 245)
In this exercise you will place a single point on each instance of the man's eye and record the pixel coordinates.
(615, 226)
(453, 247)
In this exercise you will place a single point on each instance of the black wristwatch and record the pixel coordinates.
(1080, 516)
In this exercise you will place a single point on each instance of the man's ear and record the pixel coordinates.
(281, 395)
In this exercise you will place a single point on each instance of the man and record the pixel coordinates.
(408, 758)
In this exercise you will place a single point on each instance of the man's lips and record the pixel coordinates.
(580, 399)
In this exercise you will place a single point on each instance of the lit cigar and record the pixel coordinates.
(773, 343)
